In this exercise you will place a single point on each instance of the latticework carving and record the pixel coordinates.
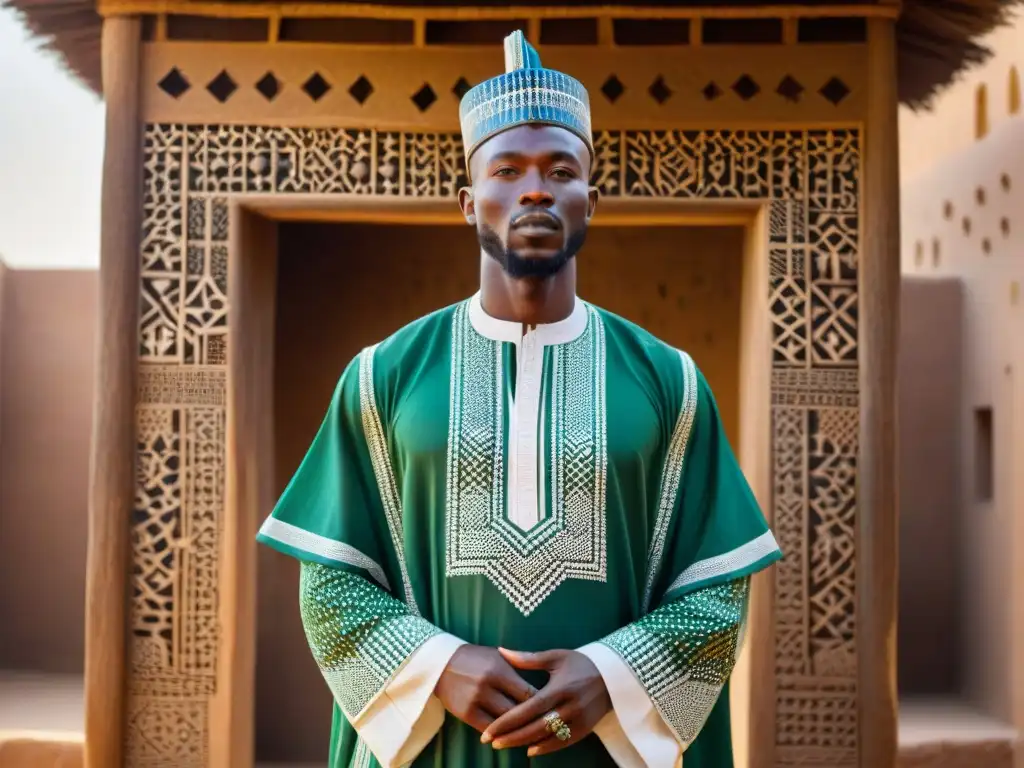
(809, 180)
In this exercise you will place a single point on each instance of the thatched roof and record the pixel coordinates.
(937, 38)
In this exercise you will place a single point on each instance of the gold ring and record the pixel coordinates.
(555, 725)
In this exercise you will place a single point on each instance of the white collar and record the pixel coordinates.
(561, 332)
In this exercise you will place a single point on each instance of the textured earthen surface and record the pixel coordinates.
(982, 754)
(18, 750)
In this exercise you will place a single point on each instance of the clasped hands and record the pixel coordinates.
(480, 686)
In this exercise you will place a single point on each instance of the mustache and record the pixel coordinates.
(517, 266)
(534, 215)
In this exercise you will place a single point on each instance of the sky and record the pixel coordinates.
(51, 155)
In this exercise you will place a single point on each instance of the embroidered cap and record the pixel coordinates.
(526, 94)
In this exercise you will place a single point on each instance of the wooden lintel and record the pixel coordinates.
(469, 13)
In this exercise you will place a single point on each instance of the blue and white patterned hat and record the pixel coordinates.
(526, 94)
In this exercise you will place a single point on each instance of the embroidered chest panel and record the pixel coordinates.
(568, 540)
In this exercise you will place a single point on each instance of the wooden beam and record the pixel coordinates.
(877, 510)
(472, 13)
(112, 471)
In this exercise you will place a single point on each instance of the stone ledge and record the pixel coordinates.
(990, 754)
(21, 749)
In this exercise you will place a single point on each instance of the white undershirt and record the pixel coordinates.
(525, 474)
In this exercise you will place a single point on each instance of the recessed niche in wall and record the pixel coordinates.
(1014, 293)
(1004, 182)
(947, 210)
(1013, 97)
(936, 252)
(979, 195)
(918, 253)
(1004, 226)
(980, 112)
(983, 464)
(986, 245)
(966, 225)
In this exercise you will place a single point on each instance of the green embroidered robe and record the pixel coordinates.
(570, 487)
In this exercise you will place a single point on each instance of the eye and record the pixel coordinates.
(504, 171)
(563, 173)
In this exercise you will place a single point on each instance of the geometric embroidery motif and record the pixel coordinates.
(569, 542)
(683, 652)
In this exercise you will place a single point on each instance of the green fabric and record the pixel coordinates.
(360, 636)
(684, 651)
(641, 504)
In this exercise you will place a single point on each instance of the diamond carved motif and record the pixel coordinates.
(790, 89)
(361, 89)
(174, 83)
(424, 98)
(746, 88)
(711, 91)
(461, 87)
(660, 91)
(316, 87)
(613, 89)
(269, 86)
(835, 90)
(222, 86)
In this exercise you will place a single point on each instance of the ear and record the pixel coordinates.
(592, 194)
(467, 204)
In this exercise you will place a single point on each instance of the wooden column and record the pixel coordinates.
(112, 485)
(879, 320)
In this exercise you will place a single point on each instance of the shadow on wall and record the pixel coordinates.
(47, 333)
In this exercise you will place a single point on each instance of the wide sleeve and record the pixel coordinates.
(716, 531)
(340, 515)
(666, 671)
(380, 661)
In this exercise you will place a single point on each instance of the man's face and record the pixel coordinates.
(531, 198)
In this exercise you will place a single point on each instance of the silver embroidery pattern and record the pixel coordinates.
(672, 474)
(359, 635)
(683, 653)
(570, 542)
(383, 471)
(727, 563)
(338, 551)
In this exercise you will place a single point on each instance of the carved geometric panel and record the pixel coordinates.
(809, 182)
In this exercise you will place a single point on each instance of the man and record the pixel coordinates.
(524, 537)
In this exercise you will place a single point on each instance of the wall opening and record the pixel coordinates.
(931, 572)
(981, 112)
(688, 289)
(1013, 97)
(983, 458)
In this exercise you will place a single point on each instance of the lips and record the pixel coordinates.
(536, 224)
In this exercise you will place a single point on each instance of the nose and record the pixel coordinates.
(537, 198)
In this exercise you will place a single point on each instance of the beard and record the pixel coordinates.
(518, 266)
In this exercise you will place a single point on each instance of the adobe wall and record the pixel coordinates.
(962, 202)
(47, 331)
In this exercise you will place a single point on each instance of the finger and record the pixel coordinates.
(522, 660)
(477, 718)
(536, 731)
(531, 733)
(494, 703)
(551, 744)
(513, 685)
(539, 705)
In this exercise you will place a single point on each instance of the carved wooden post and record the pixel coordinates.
(878, 506)
(112, 484)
